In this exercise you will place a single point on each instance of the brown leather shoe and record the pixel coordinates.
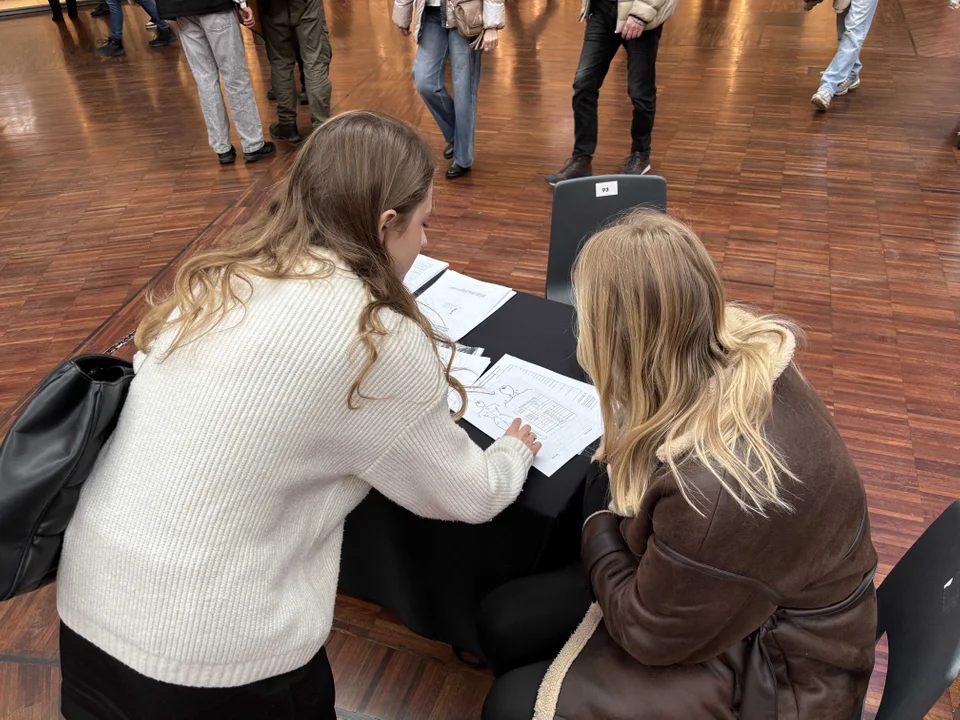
(577, 167)
(637, 164)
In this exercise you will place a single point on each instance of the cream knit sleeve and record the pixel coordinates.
(429, 464)
(435, 470)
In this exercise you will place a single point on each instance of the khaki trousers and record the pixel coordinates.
(287, 23)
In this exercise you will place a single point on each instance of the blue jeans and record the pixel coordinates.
(852, 27)
(116, 17)
(457, 120)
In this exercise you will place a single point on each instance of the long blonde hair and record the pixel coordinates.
(675, 382)
(352, 169)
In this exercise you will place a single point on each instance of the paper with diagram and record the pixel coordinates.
(564, 413)
(455, 304)
(467, 368)
(423, 271)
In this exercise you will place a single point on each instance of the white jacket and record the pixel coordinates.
(407, 13)
(651, 12)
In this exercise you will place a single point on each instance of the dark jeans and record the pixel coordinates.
(523, 625)
(116, 17)
(600, 44)
(98, 687)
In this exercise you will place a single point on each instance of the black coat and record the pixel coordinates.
(172, 9)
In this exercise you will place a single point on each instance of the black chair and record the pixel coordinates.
(583, 206)
(919, 610)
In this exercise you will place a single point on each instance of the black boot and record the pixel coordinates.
(165, 36)
(637, 164)
(111, 48)
(448, 151)
(268, 149)
(286, 131)
(456, 170)
(577, 167)
(229, 157)
(101, 10)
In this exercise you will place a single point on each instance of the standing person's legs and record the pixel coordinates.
(151, 10)
(313, 39)
(600, 44)
(57, 10)
(203, 65)
(279, 35)
(428, 72)
(226, 43)
(303, 78)
(642, 86)
(841, 29)
(116, 20)
(857, 22)
(465, 70)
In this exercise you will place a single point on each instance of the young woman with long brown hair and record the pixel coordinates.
(727, 544)
(285, 375)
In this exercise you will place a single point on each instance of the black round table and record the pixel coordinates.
(433, 574)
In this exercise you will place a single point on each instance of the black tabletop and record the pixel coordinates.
(541, 332)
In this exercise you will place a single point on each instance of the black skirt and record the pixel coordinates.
(96, 686)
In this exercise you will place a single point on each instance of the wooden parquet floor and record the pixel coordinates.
(849, 222)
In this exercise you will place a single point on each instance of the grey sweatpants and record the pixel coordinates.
(214, 48)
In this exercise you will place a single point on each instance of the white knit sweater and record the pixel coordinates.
(205, 548)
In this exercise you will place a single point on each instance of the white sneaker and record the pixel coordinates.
(821, 99)
(851, 83)
(151, 25)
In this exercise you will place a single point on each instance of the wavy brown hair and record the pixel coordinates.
(350, 171)
(675, 379)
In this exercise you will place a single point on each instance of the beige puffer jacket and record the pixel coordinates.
(407, 13)
(651, 12)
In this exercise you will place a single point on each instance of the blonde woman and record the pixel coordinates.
(287, 374)
(728, 546)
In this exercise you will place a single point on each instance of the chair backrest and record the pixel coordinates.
(583, 206)
(919, 610)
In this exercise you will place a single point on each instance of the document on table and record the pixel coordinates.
(423, 271)
(564, 413)
(455, 304)
(467, 368)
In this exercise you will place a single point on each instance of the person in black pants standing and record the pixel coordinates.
(636, 25)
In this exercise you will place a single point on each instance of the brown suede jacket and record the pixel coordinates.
(730, 614)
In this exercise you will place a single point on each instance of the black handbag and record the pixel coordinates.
(45, 458)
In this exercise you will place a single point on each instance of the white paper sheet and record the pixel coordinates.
(456, 304)
(423, 271)
(564, 413)
(467, 368)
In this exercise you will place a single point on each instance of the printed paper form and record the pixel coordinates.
(423, 271)
(564, 413)
(467, 368)
(455, 304)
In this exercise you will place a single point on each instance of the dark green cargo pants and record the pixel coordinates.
(285, 24)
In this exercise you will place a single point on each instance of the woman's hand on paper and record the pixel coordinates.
(524, 434)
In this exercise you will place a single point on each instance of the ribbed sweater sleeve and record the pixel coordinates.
(429, 464)
(435, 470)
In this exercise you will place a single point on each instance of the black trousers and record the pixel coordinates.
(600, 45)
(523, 625)
(57, 10)
(96, 686)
